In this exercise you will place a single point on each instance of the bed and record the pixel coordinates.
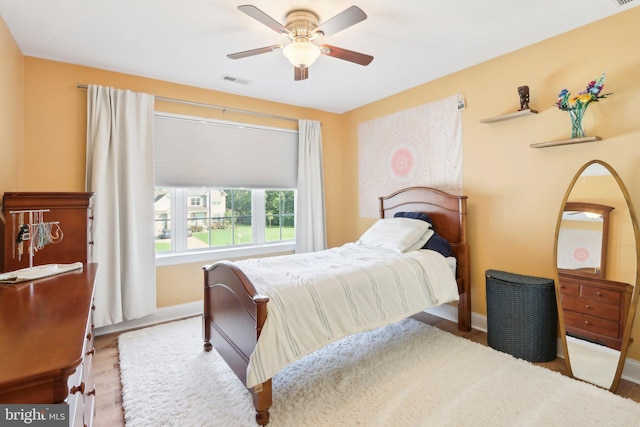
(236, 312)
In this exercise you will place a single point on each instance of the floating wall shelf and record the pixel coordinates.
(509, 116)
(565, 142)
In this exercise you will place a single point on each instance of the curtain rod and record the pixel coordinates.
(218, 107)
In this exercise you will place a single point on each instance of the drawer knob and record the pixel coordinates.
(75, 389)
(586, 322)
(91, 352)
(89, 336)
(92, 392)
(599, 293)
(588, 307)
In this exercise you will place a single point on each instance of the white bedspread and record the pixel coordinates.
(320, 297)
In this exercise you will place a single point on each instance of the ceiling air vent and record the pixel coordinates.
(237, 80)
(623, 3)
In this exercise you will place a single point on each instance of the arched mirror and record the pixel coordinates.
(596, 258)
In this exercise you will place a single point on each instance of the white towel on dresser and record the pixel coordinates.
(37, 272)
(320, 297)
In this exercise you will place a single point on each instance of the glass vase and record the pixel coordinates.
(576, 121)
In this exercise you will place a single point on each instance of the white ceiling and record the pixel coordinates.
(186, 41)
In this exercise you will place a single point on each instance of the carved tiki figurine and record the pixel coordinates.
(523, 91)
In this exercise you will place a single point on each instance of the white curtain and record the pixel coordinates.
(310, 213)
(120, 173)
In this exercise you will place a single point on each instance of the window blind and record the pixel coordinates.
(196, 152)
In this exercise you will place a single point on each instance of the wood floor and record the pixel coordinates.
(106, 372)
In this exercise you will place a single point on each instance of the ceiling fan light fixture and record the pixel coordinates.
(302, 29)
(301, 53)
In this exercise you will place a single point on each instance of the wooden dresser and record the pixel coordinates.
(46, 342)
(71, 210)
(595, 309)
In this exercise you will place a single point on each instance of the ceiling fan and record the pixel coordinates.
(302, 29)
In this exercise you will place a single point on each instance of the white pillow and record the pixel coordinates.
(421, 242)
(397, 234)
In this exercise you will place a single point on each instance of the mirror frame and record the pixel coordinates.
(634, 297)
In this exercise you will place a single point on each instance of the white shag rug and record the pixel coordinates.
(406, 374)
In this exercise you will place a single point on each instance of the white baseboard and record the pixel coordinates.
(161, 315)
(450, 312)
(631, 371)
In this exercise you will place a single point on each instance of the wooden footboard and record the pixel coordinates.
(233, 317)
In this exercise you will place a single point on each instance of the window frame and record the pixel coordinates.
(180, 254)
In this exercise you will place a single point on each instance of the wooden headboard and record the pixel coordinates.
(449, 215)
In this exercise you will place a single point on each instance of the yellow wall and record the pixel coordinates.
(11, 111)
(515, 192)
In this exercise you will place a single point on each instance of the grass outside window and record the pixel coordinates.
(223, 237)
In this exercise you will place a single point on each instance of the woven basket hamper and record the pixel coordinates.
(522, 317)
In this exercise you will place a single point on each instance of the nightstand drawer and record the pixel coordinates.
(591, 307)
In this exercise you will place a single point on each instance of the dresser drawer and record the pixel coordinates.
(591, 307)
(601, 294)
(90, 387)
(88, 352)
(569, 288)
(75, 399)
(575, 322)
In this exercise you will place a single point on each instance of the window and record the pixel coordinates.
(222, 218)
(279, 215)
(222, 186)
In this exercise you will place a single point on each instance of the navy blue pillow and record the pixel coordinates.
(439, 244)
(436, 242)
(414, 215)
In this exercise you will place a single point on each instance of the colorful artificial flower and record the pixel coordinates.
(591, 94)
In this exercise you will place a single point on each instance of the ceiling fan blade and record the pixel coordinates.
(300, 73)
(344, 19)
(260, 16)
(347, 55)
(252, 52)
